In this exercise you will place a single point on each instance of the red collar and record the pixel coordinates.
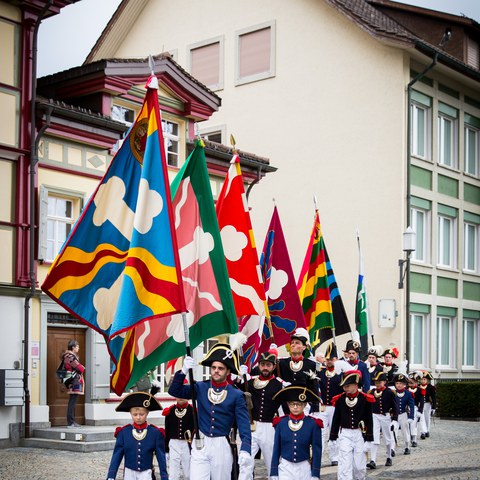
(297, 417)
(353, 396)
(271, 377)
(353, 362)
(219, 385)
(181, 407)
(388, 364)
(401, 390)
(140, 427)
(381, 389)
(298, 359)
(331, 369)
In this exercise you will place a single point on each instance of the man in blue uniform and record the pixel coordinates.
(219, 406)
(137, 442)
(295, 434)
(351, 356)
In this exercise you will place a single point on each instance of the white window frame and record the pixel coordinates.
(475, 343)
(422, 241)
(121, 118)
(219, 129)
(442, 261)
(168, 140)
(442, 136)
(451, 339)
(221, 59)
(77, 199)
(271, 72)
(426, 154)
(466, 247)
(476, 154)
(424, 319)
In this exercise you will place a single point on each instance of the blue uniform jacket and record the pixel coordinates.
(216, 420)
(406, 403)
(295, 446)
(138, 453)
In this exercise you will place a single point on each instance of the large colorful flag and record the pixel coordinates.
(241, 255)
(318, 291)
(119, 267)
(209, 304)
(286, 313)
(362, 310)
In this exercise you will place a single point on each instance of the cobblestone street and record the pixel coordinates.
(451, 453)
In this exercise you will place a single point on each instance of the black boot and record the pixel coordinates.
(388, 463)
(427, 434)
(392, 453)
(414, 444)
(407, 451)
(423, 436)
(371, 464)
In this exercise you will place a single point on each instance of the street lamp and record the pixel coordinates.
(409, 241)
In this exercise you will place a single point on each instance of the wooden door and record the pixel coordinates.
(57, 396)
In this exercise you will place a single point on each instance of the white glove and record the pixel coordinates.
(244, 459)
(286, 384)
(273, 478)
(432, 412)
(394, 425)
(243, 370)
(188, 364)
(315, 478)
(411, 420)
(418, 415)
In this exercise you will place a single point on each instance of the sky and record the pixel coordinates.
(66, 39)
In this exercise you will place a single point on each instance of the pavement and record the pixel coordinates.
(451, 453)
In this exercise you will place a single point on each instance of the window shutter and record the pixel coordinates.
(205, 64)
(473, 54)
(255, 52)
(42, 223)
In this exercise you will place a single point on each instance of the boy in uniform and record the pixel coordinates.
(419, 399)
(295, 434)
(406, 410)
(138, 441)
(429, 392)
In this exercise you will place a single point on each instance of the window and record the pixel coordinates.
(472, 146)
(123, 114)
(216, 133)
(471, 241)
(421, 226)
(420, 134)
(447, 136)
(418, 339)
(206, 62)
(255, 53)
(445, 337)
(470, 343)
(171, 138)
(447, 236)
(58, 212)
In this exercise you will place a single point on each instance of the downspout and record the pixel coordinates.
(251, 185)
(409, 200)
(34, 140)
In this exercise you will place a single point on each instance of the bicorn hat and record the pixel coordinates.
(352, 345)
(400, 377)
(376, 350)
(269, 356)
(415, 375)
(380, 377)
(221, 352)
(392, 351)
(352, 376)
(139, 399)
(296, 393)
(302, 335)
(427, 374)
(331, 351)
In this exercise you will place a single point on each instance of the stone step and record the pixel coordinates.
(88, 433)
(78, 445)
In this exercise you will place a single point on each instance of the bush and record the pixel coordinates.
(458, 399)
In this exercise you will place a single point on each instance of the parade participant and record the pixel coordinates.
(137, 442)
(352, 427)
(297, 369)
(419, 400)
(385, 416)
(219, 406)
(373, 365)
(295, 434)
(262, 390)
(178, 435)
(351, 356)
(429, 393)
(329, 381)
(406, 410)
(390, 368)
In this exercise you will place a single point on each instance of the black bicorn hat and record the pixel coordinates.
(222, 352)
(139, 399)
(296, 393)
(302, 335)
(400, 377)
(352, 345)
(380, 377)
(350, 377)
(268, 357)
(331, 351)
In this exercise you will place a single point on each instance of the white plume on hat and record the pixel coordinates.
(377, 350)
(342, 366)
(237, 340)
(356, 336)
(403, 367)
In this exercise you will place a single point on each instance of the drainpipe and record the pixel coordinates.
(34, 140)
(409, 146)
(251, 185)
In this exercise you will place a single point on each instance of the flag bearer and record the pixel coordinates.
(138, 441)
(385, 416)
(352, 427)
(406, 410)
(178, 436)
(219, 406)
(428, 391)
(295, 435)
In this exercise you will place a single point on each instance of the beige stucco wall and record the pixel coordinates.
(345, 145)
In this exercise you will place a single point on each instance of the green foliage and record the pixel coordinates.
(458, 399)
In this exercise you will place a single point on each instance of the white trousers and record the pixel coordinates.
(381, 423)
(351, 455)
(213, 461)
(262, 439)
(179, 459)
(327, 417)
(134, 475)
(427, 413)
(294, 471)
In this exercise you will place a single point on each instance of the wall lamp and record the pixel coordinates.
(409, 242)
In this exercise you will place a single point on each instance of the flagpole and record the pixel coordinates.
(198, 440)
